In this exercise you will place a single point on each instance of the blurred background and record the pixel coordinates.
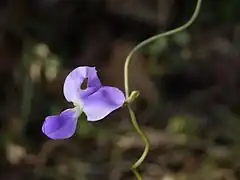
(189, 84)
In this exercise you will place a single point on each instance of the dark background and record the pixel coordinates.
(189, 84)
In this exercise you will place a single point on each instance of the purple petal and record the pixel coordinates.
(102, 102)
(73, 82)
(61, 126)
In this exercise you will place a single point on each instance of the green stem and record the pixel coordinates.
(126, 84)
(143, 136)
(153, 38)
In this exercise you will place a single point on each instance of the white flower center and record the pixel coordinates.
(78, 108)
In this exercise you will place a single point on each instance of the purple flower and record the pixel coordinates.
(96, 101)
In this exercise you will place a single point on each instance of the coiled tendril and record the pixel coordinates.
(130, 98)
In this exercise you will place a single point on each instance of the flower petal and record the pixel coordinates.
(101, 103)
(73, 82)
(61, 126)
